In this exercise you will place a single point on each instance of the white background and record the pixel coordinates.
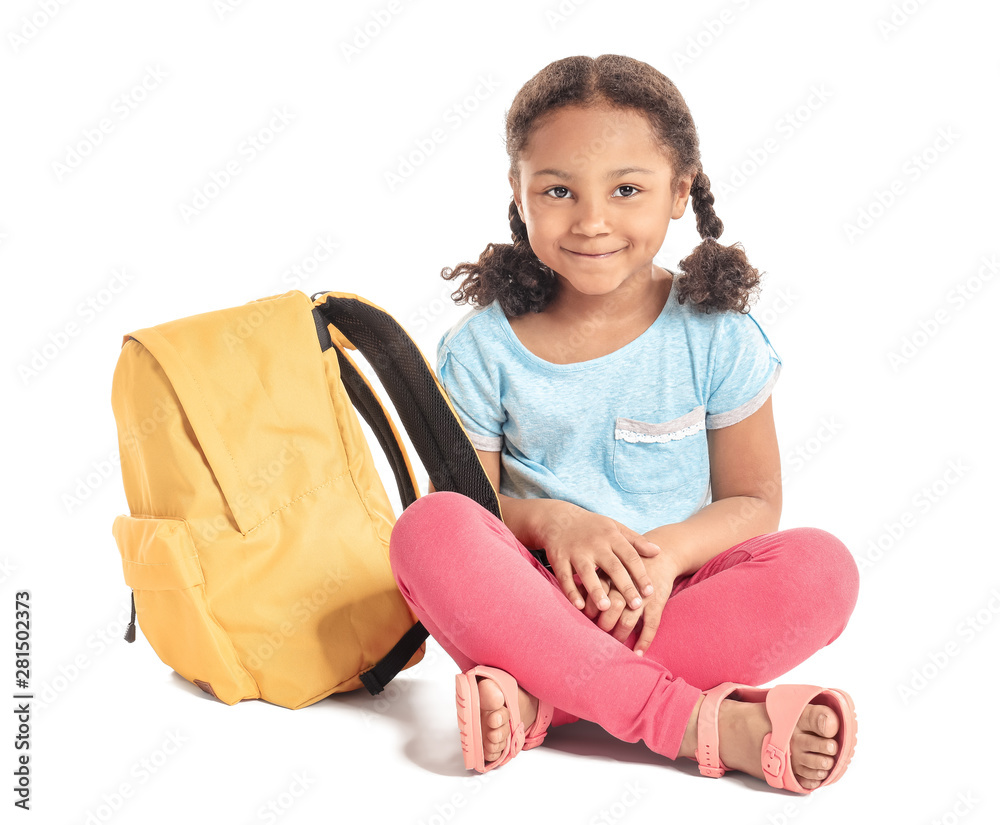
(878, 113)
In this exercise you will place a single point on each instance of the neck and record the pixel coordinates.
(639, 299)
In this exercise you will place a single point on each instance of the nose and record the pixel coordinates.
(591, 217)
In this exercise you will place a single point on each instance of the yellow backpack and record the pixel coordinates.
(257, 547)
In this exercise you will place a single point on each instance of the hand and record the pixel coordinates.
(619, 619)
(578, 542)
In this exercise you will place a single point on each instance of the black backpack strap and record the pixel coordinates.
(395, 660)
(365, 402)
(371, 410)
(434, 430)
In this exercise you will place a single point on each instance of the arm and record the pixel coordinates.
(746, 502)
(746, 493)
(577, 541)
(746, 496)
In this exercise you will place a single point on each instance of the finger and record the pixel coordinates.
(564, 574)
(642, 545)
(650, 624)
(591, 611)
(636, 571)
(623, 580)
(592, 584)
(609, 618)
(626, 624)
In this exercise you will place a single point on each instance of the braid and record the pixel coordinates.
(715, 276)
(703, 203)
(509, 273)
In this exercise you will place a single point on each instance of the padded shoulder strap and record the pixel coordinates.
(434, 429)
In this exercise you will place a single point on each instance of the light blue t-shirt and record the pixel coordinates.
(622, 435)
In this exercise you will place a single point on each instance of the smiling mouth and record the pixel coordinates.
(595, 255)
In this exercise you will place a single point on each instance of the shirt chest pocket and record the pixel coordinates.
(660, 458)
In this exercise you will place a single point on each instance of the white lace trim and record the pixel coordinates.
(632, 437)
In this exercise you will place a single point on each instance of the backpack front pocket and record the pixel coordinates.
(660, 457)
(161, 565)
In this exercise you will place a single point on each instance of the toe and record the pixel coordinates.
(807, 775)
(497, 736)
(815, 762)
(497, 718)
(807, 743)
(820, 720)
(490, 695)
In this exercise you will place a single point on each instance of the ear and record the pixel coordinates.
(516, 189)
(681, 198)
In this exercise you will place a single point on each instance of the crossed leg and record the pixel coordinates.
(747, 616)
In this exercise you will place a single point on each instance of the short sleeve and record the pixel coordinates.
(744, 369)
(475, 398)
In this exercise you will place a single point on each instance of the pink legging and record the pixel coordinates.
(747, 616)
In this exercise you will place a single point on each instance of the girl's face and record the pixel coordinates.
(595, 194)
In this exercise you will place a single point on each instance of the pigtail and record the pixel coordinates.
(716, 277)
(509, 273)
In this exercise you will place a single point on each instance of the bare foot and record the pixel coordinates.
(743, 726)
(495, 716)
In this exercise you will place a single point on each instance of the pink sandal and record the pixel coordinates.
(784, 705)
(470, 721)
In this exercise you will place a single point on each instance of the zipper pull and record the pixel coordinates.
(130, 630)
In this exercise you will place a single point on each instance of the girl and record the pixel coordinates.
(622, 411)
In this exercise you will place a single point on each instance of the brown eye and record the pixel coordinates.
(627, 191)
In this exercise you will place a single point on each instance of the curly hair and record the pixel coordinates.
(715, 277)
